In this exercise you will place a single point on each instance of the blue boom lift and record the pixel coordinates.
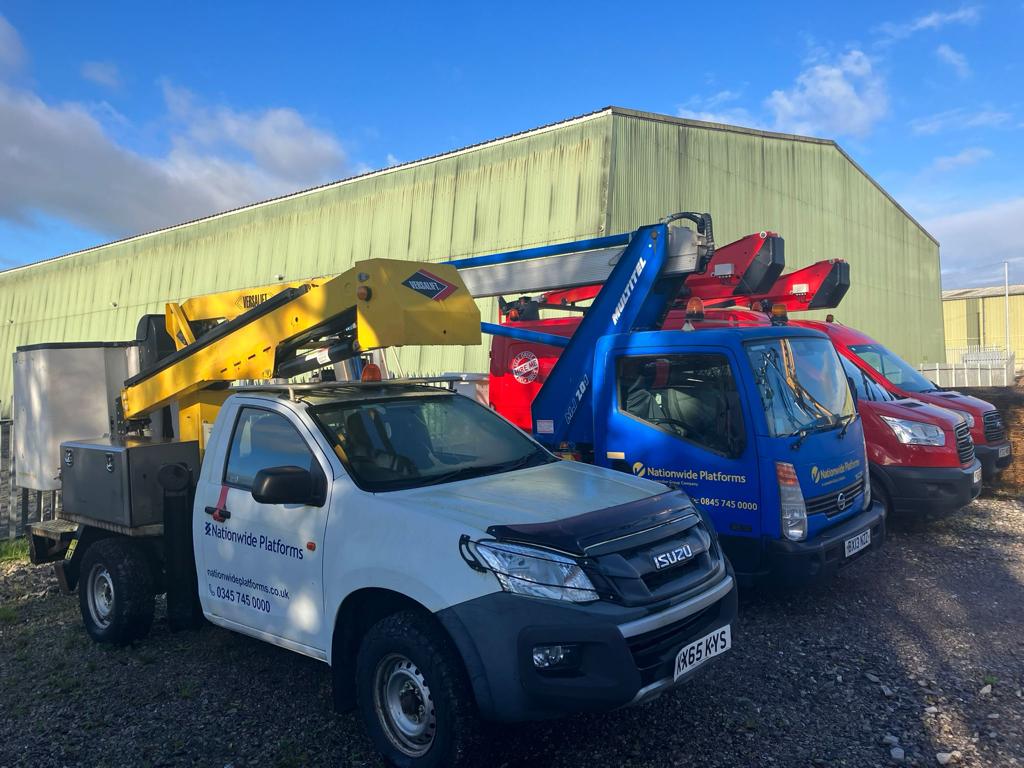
(757, 424)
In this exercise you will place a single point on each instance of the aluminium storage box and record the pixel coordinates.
(64, 391)
(114, 482)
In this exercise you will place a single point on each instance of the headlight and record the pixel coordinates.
(915, 432)
(792, 511)
(867, 480)
(534, 572)
(968, 416)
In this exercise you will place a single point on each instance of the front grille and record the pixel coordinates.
(995, 431)
(964, 444)
(628, 574)
(659, 646)
(828, 503)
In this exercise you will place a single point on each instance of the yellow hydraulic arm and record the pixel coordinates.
(296, 327)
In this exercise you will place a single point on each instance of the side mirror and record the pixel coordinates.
(287, 485)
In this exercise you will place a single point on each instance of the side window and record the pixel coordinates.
(864, 386)
(692, 397)
(263, 439)
(857, 379)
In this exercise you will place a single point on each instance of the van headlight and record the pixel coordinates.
(535, 572)
(915, 432)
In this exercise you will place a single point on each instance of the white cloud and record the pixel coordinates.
(391, 160)
(58, 160)
(279, 140)
(976, 242)
(935, 20)
(967, 157)
(955, 59)
(956, 119)
(12, 52)
(845, 97)
(102, 73)
(714, 109)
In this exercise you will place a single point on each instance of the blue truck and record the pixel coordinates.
(759, 425)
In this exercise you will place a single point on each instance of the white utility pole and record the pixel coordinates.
(1006, 307)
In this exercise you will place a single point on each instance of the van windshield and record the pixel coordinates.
(894, 368)
(392, 443)
(802, 384)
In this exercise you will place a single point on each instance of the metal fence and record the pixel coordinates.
(19, 506)
(979, 367)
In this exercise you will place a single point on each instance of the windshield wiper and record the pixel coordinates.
(802, 433)
(846, 421)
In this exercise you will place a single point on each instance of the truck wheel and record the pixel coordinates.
(413, 695)
(115, 592)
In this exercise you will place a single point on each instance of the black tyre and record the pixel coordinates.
(413, 695)
(115, 592)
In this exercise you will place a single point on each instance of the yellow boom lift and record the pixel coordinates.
(283, 330)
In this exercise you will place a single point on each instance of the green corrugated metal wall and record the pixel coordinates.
(606, 172)
(546, 186)
(806, 190)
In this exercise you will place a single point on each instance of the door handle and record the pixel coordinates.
(220, 515)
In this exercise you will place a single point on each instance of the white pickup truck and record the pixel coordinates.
(445, 565)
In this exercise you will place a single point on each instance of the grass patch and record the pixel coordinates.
(14, 550)
(8, 614)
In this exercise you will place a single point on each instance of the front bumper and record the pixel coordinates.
(930, 489)
(991, 462)
(799, 563)
(627, 655)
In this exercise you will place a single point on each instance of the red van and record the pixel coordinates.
(898, 377)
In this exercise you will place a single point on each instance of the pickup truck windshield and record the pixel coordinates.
(802, 384)
(895, 369)
(407, 442)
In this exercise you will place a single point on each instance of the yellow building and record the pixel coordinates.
(976, 317)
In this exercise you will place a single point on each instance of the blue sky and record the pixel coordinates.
(122, 117)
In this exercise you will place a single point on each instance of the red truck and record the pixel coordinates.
(901, 380)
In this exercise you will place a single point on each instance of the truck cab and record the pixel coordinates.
(896, 376)
(759, 427)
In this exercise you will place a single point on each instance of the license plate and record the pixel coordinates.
(1004, 451)
(858, 542)
(976, 477)
(699, 651)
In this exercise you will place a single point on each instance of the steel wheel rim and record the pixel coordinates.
(405, 707)
(100, 596)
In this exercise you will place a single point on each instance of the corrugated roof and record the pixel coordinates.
(326, 185)
(508, 137)
(982, 293)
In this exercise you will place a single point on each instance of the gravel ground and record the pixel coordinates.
(921, 643)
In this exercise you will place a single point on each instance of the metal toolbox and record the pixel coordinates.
(114, 482)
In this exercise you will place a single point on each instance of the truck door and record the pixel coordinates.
(262, 562)
(678, 418)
